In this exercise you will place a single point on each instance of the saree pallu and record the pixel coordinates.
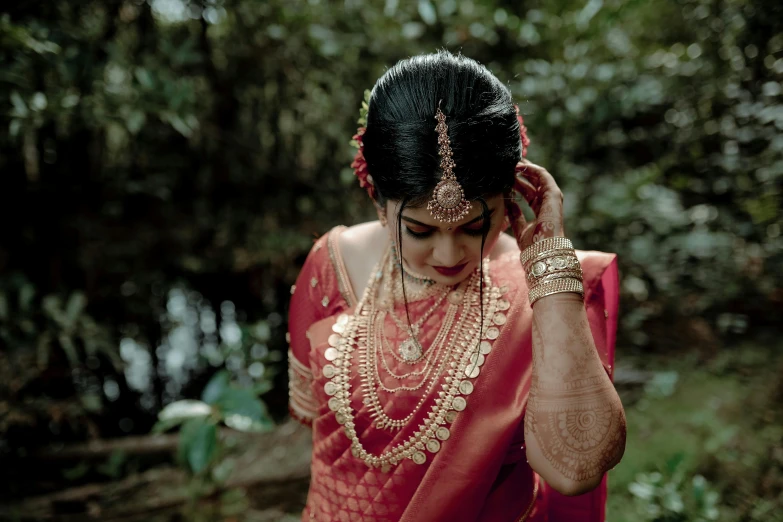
(480, 474)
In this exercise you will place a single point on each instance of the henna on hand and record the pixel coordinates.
(540, 191)
(574, 413)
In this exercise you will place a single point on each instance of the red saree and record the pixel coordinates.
(480, 474)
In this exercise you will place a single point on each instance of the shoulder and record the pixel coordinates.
(361, 238)
(360, 248)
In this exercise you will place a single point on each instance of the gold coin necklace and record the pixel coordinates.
(368, 360)
(464, 366)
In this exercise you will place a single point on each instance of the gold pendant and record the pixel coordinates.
(410, 350)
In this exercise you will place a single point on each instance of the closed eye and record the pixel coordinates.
(473, 231)
(419, 235)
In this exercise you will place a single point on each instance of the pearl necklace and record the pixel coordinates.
(463, 363)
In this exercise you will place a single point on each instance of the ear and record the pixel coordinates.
(381, 214)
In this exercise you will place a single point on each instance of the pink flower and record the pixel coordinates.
(359, 164)
(522, 132)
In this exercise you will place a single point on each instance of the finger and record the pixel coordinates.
(527, 189)
(543, 181)
(532, 173)
(532, 194)
(539, 176)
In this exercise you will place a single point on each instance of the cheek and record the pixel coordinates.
(415, 252)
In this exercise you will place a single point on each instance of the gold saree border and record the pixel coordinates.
(301, 403)
(343, 281)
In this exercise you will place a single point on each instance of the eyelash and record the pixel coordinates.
(423, 235)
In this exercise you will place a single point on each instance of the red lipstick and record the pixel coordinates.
(450, 270)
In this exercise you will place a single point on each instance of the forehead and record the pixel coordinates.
(421, 214)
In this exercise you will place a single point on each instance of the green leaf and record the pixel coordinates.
(198, 443)
(218, 384)
(144, 77)
(163, 426)
(26, 294)
(427, 12)
(222, 471)
(52, 306)
(180, 125)
(77, 471)
(38, 102)
(241, 402)
(70, 101)
(76, 303)
(185, 409)
(20, 107)
(113, 467)
(135, 121)
(66, 343)
(92, 403)
(262, 387)
(15, 127)
(248, 425)
(641, 490)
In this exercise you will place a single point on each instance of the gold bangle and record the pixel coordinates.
(539, 247)
(555, 287)
(567, 274)
(552, 264)
(547, 254)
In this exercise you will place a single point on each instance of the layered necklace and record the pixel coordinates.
(453, 362)
(410, 350)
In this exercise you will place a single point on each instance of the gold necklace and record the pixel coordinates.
(371, 399)
(373, 353)
(434, 351)
(410, 350)
(463, 368)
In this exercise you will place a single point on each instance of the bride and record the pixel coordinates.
(451, 371)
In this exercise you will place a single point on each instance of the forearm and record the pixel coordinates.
(575, 423)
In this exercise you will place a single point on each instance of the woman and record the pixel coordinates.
(436, 393)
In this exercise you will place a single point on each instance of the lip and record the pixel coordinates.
(450, 270)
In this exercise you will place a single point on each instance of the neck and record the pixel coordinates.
(409, 274)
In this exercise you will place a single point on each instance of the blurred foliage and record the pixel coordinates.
(164, 152)
(200, 448)
(704, 439)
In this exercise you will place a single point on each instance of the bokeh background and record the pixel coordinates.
(166, 164)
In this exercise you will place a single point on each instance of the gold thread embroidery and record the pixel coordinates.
(343, 281)
(300, 398)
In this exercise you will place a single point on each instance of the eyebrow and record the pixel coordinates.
(474, 220)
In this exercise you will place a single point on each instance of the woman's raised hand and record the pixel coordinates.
(545, 198)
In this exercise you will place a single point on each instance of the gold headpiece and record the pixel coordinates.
(448, 203)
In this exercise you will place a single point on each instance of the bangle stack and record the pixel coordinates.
(551, 267)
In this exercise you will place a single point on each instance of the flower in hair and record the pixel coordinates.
(522, 132)
(359, 164)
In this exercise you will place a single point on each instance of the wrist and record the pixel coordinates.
(551, 267)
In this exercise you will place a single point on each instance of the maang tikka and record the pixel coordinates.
(448, 203)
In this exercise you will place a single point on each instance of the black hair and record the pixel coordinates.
(400, 142)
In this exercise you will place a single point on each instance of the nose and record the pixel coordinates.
(447, 251)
